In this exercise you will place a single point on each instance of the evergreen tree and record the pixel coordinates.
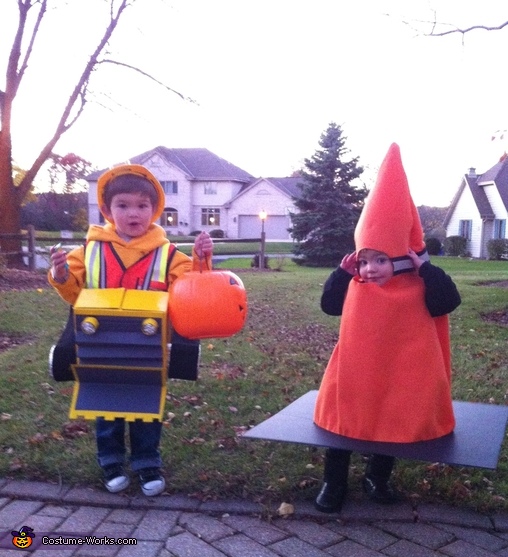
(329, 205)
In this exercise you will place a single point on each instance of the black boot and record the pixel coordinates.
(334, 489)
(376, 482)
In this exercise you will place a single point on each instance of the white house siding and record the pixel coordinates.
(245, 209)
(466, 210)
(225, 190)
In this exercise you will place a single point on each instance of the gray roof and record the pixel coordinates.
(288, 185)
(201, 164)
(497, 175)
(196, 163)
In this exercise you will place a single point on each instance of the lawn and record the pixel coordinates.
(280, 354)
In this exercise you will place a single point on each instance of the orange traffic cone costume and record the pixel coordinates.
(389, 377)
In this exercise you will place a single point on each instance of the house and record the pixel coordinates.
(479, 209)
(206, 192)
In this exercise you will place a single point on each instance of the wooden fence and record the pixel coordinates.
(31, 240)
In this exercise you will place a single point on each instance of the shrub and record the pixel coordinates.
(433, 246)
(280, 261)
(455, 246)
(217, 233)
(438, 232)
(255, 261)
(497, 249)
(195, 233)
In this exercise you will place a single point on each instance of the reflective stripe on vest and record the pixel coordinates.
(93, 266)
(104, 268)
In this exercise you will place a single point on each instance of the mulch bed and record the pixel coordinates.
(500, 317)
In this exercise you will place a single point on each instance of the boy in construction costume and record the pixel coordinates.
(389, 376)
(130, 251)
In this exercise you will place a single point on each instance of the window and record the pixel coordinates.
(499, 229)
(210, 188)
(210, 217)
(465, 228)
(169, 217)
(169, 186)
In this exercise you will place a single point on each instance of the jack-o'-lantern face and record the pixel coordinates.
(23, 538)
(21, 542)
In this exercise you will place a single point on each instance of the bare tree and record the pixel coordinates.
(12, 194)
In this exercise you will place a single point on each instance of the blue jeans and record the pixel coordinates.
(144, 438)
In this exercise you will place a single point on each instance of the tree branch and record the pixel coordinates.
(35, 30)
(415, 25)
(123, 64)
(464, 31)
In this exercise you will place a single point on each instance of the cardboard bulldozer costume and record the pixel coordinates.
(122, 355)
(120, 348)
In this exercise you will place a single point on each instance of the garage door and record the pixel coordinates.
(249, 226)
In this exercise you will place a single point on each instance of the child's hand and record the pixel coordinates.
(348, 263)
(59, 265)
(417, 262)
(203, 245)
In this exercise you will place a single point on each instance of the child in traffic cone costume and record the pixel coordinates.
(389, 377)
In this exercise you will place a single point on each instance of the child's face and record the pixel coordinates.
(374, 266)
(132, 214)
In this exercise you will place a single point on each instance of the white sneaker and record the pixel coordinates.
(115, 479)
(152, 483)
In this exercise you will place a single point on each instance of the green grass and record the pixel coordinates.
(248, 248)
(279, 355)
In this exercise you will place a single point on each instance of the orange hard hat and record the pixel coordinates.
(137, 170)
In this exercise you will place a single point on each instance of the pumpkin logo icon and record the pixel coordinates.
(23, 538)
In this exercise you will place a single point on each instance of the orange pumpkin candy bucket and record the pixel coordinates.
(207, 304)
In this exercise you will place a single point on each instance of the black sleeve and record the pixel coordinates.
(441, 294)
(334, 292)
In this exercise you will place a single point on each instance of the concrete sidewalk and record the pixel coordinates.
(179, 526)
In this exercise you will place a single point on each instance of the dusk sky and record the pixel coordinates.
(267, 78)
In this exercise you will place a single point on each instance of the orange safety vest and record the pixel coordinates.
(104, 268)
